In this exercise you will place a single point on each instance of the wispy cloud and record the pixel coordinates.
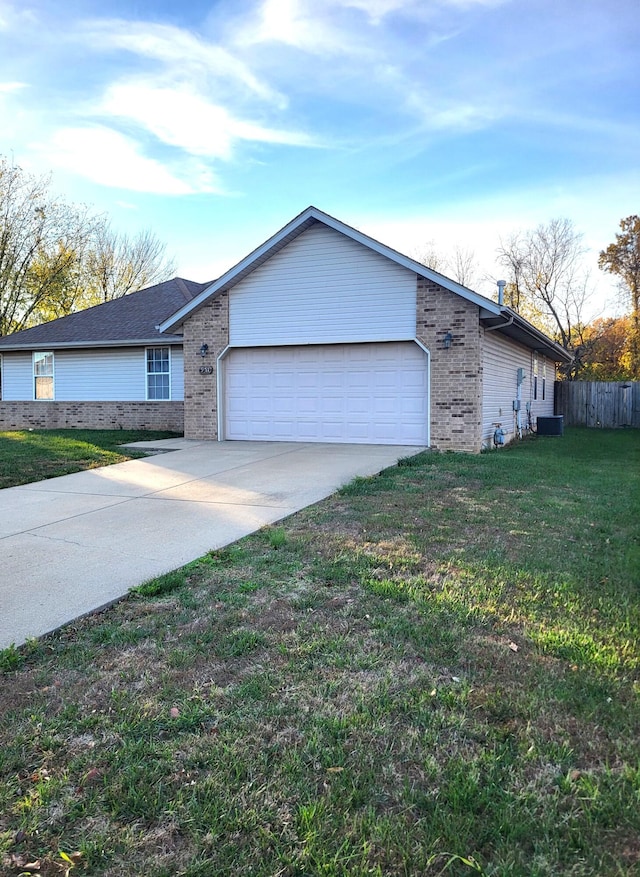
(111, 159)
(181, 52)
(188, 105)
(179, 117)
(10, 87)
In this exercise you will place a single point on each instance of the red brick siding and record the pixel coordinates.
(209, 325)
(456, 373)
(92, 415)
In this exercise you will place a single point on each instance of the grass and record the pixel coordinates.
(32, 455)
(435, 671)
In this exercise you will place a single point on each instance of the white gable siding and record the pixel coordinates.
(17, 376)
(501, 360)
(102, 375)
(323, 288)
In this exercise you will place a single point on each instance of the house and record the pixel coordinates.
(106, 367)
(320, 334)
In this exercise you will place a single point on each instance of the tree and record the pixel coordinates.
(41, 241)
(56, 258)
(461, 266)
(622, 258)
(606, 353)
(546, 282)
(117, 264)
(429, 255)
(464, 267)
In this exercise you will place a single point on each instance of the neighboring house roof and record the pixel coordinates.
(131, 319)
(492, 314)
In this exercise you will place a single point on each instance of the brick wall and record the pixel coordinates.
(92, 415)
(456, 373)
(209, 325)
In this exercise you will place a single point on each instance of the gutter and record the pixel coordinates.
(500, 325)
(157, 341)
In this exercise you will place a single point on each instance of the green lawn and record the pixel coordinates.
(32, 455)
(435, 671)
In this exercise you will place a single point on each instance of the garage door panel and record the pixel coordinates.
(363, 393)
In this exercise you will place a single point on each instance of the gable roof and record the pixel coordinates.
(131, 319)
(501, 318)
(292, 230)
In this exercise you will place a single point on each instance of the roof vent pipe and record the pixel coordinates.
(501, 286)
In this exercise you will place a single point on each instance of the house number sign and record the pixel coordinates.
(206, 369)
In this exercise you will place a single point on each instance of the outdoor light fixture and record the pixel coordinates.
(204, 349)
(448, 338)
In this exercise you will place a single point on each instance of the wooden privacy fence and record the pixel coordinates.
(598, 403)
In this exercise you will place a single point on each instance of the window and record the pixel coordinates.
(43, 375)
(544, 377)
(535, 376)
(0, 378)
(158, 373)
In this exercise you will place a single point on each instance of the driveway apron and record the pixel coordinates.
(72, 545)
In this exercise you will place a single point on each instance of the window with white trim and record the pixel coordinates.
(0, 377)
(158, 373)
(535, 376)
(43, 375)
(544, 377)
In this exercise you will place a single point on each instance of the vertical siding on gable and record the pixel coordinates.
(323, 288)
(501, 361)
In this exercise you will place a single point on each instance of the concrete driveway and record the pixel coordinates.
(74, 544)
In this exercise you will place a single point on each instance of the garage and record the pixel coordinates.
(374, 393)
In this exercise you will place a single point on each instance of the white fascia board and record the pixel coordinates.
(537, 334)
(258, 255)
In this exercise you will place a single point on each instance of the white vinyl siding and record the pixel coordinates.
(17, 376)
(95, 375)
(323, 288)
(501, 360)
(177, 374)
(355, 393)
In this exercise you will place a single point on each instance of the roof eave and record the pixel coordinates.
(83, 345)
(523, 331)
(288, 233)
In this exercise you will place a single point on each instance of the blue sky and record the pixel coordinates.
(214, 123)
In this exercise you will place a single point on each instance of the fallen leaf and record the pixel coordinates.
(91, 776)
(174, 712)
(335, 769)
(513, 647)
(18, 860)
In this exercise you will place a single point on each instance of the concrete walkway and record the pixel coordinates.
(74, 544)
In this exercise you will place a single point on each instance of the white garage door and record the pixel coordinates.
(354, 393)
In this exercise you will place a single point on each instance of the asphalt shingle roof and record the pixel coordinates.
(125, 320)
